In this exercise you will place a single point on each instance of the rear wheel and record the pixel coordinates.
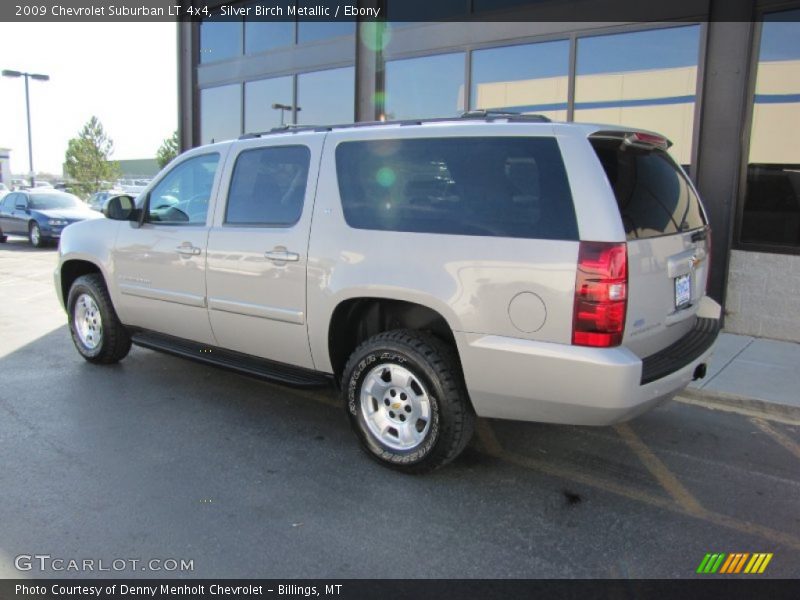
(3, 237)
(35, 235)
(407, 402)
(96, 331)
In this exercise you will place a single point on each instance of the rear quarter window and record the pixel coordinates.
(483, 186)
(653, 195)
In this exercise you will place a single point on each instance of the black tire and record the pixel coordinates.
(115, 342)
(36, 239)
(436, 368)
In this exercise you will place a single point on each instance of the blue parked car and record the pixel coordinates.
(41, 215)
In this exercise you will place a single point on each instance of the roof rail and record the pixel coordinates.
(486, 115)
(510, 115)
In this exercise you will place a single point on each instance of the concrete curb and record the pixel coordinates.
(744, 404)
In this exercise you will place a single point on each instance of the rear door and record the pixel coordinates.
(6, 208)
(667, 234)
(258, 249)
(18, 221)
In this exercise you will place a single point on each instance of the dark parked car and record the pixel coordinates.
(99, 199)
(41, 215)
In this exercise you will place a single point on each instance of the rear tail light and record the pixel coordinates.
(601, 294)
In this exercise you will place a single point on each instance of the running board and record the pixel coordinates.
(234, 361)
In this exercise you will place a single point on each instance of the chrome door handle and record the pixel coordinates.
(188, 250)
(282, 256)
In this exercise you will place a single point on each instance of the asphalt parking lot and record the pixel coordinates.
(161, 458)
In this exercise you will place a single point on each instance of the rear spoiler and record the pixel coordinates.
(636, 139)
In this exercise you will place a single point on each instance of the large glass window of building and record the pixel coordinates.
(426, 87)
(267, 103)
(220, 40)
(529, 78)
(312, 29)
(220, 113)
(326, 97)
(645, 79)
(262, 34)
(771, 212)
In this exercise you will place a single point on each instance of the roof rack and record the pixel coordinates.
(509, 115)
(472, 115)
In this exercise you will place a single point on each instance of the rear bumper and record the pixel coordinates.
(510, 378)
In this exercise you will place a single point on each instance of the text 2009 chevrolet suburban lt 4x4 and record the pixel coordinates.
(490, 265)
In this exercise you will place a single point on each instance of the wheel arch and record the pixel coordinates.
(73, 268)
(355, 320)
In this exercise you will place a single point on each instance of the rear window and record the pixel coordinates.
(653, 195)
(484, 186)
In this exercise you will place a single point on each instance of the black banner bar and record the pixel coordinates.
(730, 588)
(383, 10)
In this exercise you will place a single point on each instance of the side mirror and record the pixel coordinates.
(120, 208)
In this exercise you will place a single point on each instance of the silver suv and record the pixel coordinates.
(493, 265)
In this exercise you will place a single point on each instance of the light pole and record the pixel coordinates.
(37, 77)
(283, 107)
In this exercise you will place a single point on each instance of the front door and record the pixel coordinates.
(160, 266)
(257, 251)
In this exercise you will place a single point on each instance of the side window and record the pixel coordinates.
(183, 195)
(268, 186)
(483, 186)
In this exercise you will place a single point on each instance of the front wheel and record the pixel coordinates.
(407, 402)
(35, 235)
(96, 331)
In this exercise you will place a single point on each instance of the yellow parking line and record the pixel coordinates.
(659, 470)
(739, 410)
(493, 447)
(778, 436)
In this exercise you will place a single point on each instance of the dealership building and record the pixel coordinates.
(720, 78)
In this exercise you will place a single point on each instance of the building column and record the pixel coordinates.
(722, 123)
(369, 63)
(187, 84)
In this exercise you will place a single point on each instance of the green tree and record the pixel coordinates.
(87, 159)
(170, 148)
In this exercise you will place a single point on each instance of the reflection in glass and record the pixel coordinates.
(415, 10)
(313, 28)
(259, 98)
(771, 212)
(260, 36)
(419, 88)
(531, 78)
(485, 186)
(326, 97)
(311, 31)
(220, 113)
(220, 40)
(268, 186)
(645, 79)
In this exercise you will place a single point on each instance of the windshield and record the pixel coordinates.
(50, 201)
